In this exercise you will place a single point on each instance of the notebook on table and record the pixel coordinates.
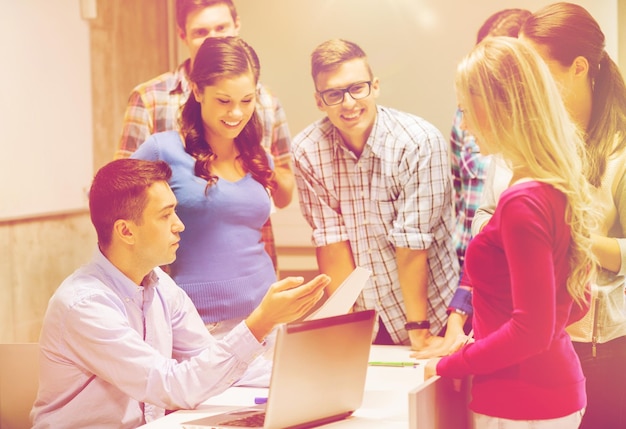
(318, 375)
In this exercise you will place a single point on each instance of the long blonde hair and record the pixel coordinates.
(529, 126)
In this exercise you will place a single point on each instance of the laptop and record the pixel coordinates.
(318, 376)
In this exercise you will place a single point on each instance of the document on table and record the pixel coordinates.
(342, 300)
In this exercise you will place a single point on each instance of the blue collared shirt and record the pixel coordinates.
(117, 355)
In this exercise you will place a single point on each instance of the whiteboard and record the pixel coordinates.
(46, 165)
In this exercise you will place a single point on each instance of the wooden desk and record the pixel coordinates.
(385, 403)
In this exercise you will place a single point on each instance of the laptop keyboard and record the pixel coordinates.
(253, 420)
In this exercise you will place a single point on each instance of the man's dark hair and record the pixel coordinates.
(119, 191)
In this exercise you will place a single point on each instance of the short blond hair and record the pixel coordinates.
(330, 54)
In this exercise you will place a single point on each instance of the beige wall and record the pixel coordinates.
(413, 46)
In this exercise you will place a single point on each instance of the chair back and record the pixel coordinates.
(19, 379)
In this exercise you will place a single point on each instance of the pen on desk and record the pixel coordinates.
(401, 364)
(260, 400)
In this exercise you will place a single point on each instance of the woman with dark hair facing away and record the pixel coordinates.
(572, 44)
(223, 180)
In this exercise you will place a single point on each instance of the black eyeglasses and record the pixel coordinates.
(357, 91)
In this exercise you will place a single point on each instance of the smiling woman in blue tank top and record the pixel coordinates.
(223, 180)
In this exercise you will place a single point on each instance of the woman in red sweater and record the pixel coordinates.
(530, 266)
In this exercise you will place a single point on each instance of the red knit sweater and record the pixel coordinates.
(523, 362)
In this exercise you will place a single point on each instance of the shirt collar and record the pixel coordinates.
(118, 281)
(378, 135)
(375, 141)
(180, 81)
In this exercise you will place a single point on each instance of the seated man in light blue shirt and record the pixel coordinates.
(121, 342)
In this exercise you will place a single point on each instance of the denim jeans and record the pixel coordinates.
(572, 421)
(606, 384)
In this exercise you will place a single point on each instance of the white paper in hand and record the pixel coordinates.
(341, 301)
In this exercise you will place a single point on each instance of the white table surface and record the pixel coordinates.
(385, 399)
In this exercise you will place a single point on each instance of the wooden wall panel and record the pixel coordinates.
(129, 45)
(621, 35)
(6, 286)
(40, 253)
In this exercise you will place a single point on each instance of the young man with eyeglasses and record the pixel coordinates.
(374, 185)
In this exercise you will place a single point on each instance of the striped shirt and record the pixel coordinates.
(397, 194)
(154, 106)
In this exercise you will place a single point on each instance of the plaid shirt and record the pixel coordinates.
(469, 169)
(154, 106)
(398, 193)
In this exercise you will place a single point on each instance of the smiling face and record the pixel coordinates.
(227, 106)
(353, 118)
(211, 21)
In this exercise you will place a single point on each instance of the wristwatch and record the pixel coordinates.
(422, 324)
